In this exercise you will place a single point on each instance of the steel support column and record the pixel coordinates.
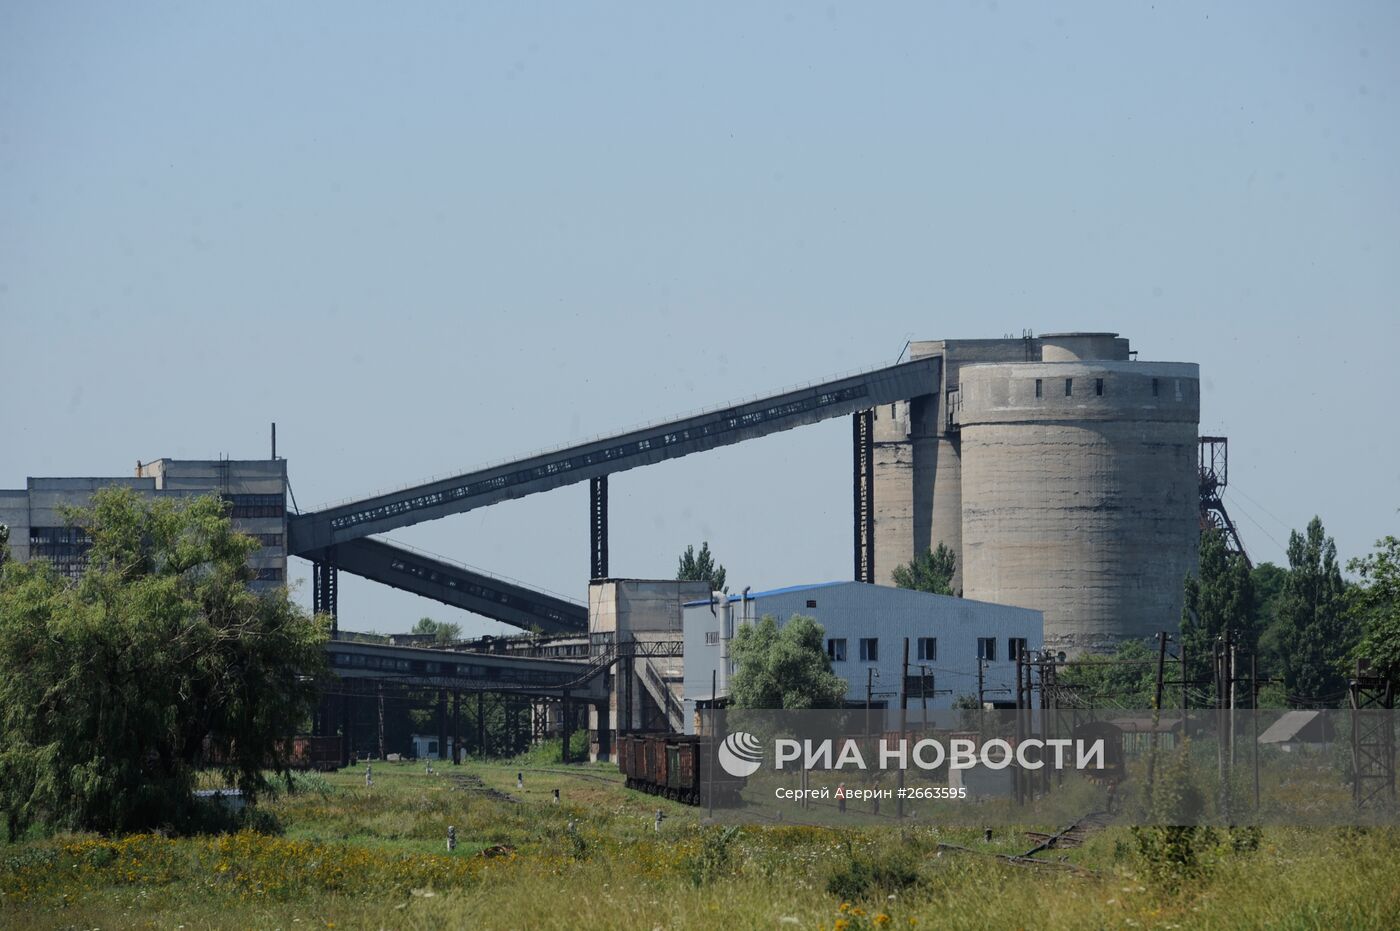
(863, 474)
(456, 727)
(1372, 699)
(598, 525)
(442, 723)
(566, 724)
(481, 724)
(323, 588)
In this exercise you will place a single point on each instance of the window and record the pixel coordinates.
(247, 506)
(1015, 646)
(928, 648)
(273, 540)
(1098, 387)
(869, 649)
(1069, 387)
(836, 649)
(711, 637)
(267, 575)
(1154, 387)
(987, 648)
(811, 602)
(1038, 390)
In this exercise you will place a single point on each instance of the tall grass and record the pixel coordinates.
(376, 857)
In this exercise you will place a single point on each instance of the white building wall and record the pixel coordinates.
(853, 610)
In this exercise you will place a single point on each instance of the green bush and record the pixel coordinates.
(864, 876)
(714, 859)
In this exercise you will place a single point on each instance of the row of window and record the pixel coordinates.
(59, 536)
(271, 540)
(250, 506)
(1098, 387)
(927, 648)
(724, 422)
(269, 575)
(438, 668)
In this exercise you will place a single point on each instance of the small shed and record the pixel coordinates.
(1295, 729)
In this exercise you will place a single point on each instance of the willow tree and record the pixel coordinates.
(117, 688)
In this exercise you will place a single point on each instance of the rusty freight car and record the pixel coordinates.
(669, 765)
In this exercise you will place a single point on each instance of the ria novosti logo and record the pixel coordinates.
(740, 754)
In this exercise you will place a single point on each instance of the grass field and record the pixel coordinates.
(356, 857)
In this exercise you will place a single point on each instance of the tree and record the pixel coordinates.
(930, 571)
(784, 667)
(1374, 607)
(1268, 581)
(701, 568)
(1315, 632)
(115, 689)
(442, 631)
(1219, 599)
(4, 543)
(1127, 679)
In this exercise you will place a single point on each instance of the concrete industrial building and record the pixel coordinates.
(1059, 469)
(635, 626)
(865, 627)
(256, 490)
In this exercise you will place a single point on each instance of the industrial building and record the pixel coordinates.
(1062, 472)
(958, 648)
(635, 627)
(256, 490)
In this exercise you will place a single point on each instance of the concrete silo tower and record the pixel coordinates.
(1070, 469)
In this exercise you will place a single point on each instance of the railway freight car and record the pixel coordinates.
(669, 765)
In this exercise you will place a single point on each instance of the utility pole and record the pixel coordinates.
(1254, 720)
(1234, 679)
(903, 724)
(981, 667)
(871, 674)
(1157, 702)
(904, 680)
(378, 685)
(1017, 773)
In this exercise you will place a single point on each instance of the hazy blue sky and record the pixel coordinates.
(424, 238)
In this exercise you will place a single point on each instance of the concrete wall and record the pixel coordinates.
(1084, 506)
(647, 608)
(852, 610)
(43, 501)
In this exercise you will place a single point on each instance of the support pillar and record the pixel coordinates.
(347, 724)
(604, 731)
(863, 481)
(566, 725)
(481, 724)
(442, 723)
(324, 582)
(456, 727)
(598, 525)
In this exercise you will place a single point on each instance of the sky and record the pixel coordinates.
(425, 237)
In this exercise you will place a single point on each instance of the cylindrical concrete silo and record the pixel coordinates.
(1079, 488)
